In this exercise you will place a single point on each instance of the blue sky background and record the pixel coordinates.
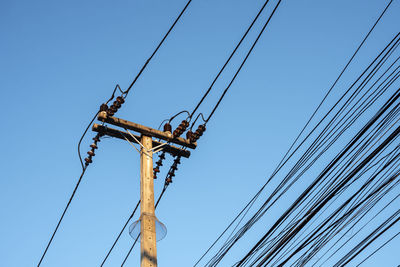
(59, 60)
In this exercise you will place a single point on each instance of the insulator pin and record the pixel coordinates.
(167, 127)
(93, 146)
(103, 107)
(113, 109)
(189, 134)
(158, 165)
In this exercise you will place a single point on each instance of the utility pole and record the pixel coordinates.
(148, 247)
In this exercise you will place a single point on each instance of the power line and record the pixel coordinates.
(125, 93)
(244, 61)
(379, 248)
(229, 58)
(62, 216)
(120, 233)
(374, 71)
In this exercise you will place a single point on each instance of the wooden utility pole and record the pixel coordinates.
(148, 248)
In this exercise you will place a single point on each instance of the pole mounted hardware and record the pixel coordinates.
(148, 146)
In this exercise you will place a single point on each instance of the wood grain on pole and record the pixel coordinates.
(148, 247)
(167, 136)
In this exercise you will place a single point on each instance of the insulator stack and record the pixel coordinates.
(172, 170)
(93, 146)
(103, 107)
(198, 133)
(181, 128)
(115, 106)
(167, 127)
(158, 164)
(189, 135)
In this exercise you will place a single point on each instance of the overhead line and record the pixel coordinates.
(155, 50)
(229, 58)
(244, 61)
(62, 216)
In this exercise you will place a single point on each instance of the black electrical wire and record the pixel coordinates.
(80, 178)
(130, 250)
(247, 207)
(348, 257)
(90, 123)
(379, 248)
(136, 239)
(339, 75)
(125, 93)
(374, 61)
(334, 252)
(229, 58)
(361, 174)
(396, 37)
(337, 79)
(166, 184)
(120, 233)
(397, 148)
(244, 60)
(348, 63)
(62, 216)
(315, 231)
(312, 213)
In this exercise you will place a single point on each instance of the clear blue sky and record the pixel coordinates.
(59, 60)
